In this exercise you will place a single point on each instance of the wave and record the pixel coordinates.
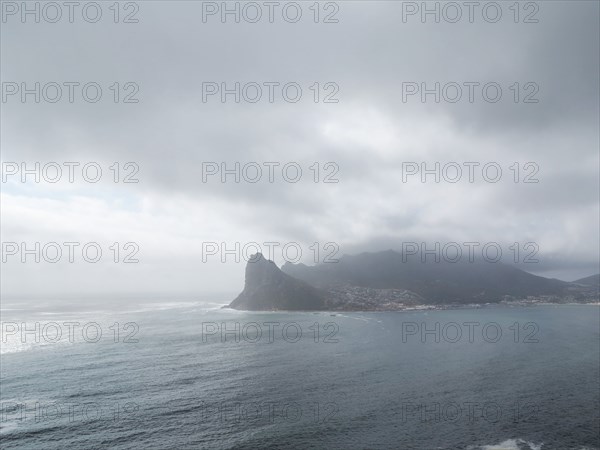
(519, 444)
(509, 444)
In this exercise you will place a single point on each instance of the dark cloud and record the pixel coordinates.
(369, 134)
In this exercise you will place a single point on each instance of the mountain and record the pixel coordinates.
(436, 282)
(387, 281)
(267, 288)
(593, 280)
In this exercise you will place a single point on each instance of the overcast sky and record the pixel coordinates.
(369, 136)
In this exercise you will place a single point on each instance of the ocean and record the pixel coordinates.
(187, 374)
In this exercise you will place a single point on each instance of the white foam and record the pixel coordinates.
(364, 319)
(512, 444)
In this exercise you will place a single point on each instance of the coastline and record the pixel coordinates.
(437, 307)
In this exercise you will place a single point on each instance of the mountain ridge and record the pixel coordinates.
(381, 281)
(592, 280)
(266, 287)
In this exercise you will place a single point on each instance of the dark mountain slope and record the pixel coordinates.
(593, 280)
(442, 282)
(267, 288)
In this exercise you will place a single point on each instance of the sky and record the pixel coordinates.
(348, 132)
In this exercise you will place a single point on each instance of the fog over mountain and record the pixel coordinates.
(389, 281)
(593, 280)
(436, 282)
(369, 135)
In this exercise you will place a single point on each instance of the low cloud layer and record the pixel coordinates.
(369, 141)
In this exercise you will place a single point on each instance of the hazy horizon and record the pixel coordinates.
(165, 128)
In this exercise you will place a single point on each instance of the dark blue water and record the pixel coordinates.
(351, 380)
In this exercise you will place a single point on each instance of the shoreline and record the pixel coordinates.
(440, 307)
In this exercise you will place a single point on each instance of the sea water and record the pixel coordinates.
(187, 374)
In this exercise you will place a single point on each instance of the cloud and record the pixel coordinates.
(368, 136)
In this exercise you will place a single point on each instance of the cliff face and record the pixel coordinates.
(267, 289)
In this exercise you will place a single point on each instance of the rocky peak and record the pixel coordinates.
(267, 288)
